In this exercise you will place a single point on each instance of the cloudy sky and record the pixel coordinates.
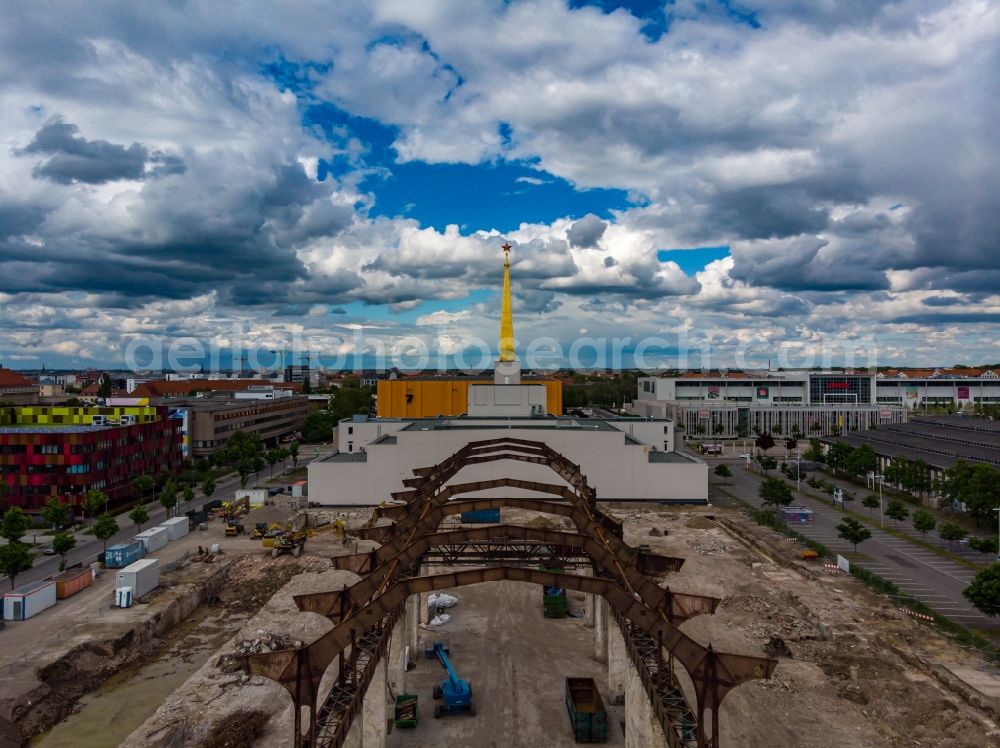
(739, 177)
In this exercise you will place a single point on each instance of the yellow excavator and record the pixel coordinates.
(290, 541)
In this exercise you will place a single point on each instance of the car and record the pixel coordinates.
(50, 551)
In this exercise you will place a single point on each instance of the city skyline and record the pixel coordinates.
(729, 176)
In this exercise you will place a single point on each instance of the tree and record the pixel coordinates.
(838, 456)
(104, 528)
(15, 524)
(918, 477)
(897, 510)
(208, 487)
(984, 590)
(814, 452)
(56, 514)
(187, 495)
(63, 543)
(853, 532)
(14, 558)
(258, 465)
(273, 456)
(767, 464)
(139, 515)
(861, 460)
(923, 521)
(168, 496)
(951, 532)
(143, 485)
(775, 492)
(984, 545)
(871, 502)
(791, 444)
(244, 467)
(93, 501)
(293, 452)
(764, 442)
(722, 471)
(719, 429)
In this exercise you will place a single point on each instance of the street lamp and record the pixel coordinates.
(798, 468)
(878, 477)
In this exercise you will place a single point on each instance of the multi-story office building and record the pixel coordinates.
(210, 421)
(728, 405)
(66, 451)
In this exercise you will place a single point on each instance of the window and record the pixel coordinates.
(350, 429)
(350, 446)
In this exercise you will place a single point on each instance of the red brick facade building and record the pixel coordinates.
(66, 460)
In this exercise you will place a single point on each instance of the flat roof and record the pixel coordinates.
(938, 441)
(344, 457)
(524, 422)
(57, 428)
(658, 456)
(27, 589)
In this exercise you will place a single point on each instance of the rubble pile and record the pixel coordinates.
(709, 546)
(266, 641)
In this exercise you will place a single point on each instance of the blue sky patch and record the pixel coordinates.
(650, 12)
(692, 260)
(497, 196)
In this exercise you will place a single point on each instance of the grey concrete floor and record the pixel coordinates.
(517, 662)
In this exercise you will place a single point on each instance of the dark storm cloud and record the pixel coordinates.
(16, 220)
(767, 212)
(805, 263)
(937, 320)
(73, 158)
(986, 280)
(938, 301)
(586, 232)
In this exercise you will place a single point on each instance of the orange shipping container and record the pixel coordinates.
(70, 582)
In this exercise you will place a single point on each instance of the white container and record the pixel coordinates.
(29, 600)
(176, 527)
(123, 597)
(299, 489)
(142, 577)
(257, 495)
(154, 538)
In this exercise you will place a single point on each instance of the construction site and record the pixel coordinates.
(476, 591)
(427, 621)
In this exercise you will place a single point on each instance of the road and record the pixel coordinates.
(934, 580)
(87, 549)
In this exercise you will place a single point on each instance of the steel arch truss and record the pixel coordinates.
(363, 614)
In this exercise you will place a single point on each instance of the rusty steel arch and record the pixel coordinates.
(363, 614)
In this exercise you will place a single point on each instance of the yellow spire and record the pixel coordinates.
(506, 318)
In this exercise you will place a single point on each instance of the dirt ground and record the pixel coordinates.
(852, 677)
(856, 671)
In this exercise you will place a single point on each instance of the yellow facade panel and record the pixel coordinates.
(430, 398)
